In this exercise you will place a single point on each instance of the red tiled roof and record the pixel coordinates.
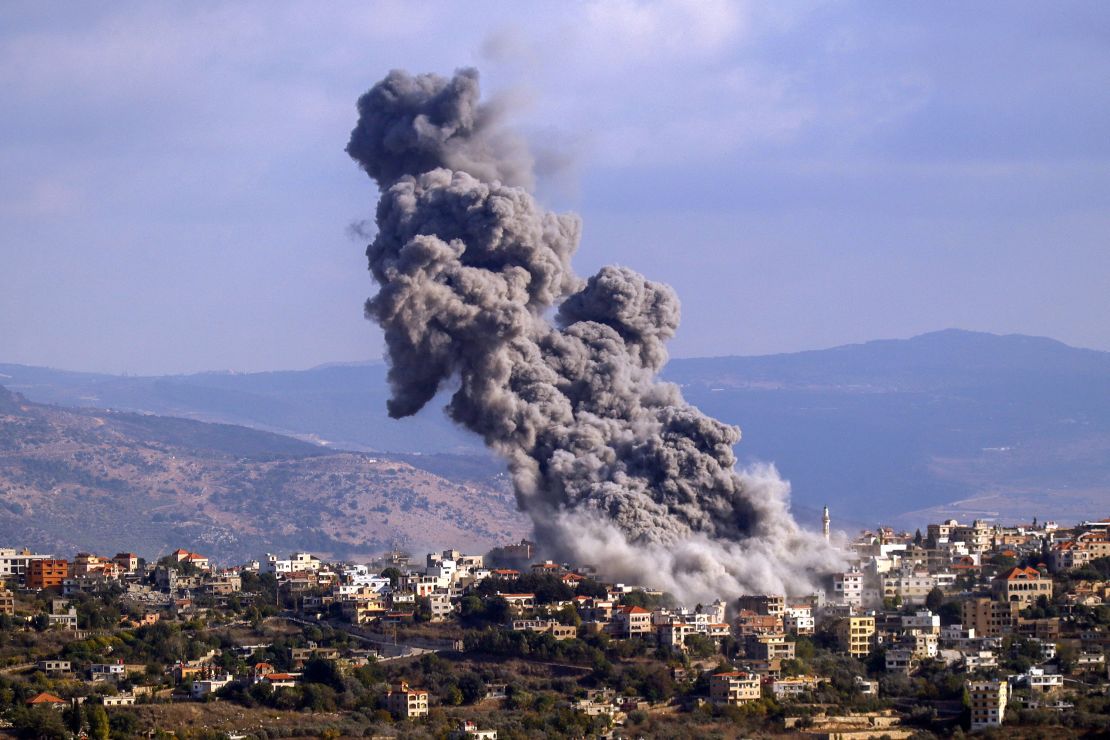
(45, 698)
(634, 610)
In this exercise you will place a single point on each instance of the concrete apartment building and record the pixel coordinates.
(910, 588)
(848, 588)
(978, 535)
(14, 564)
(406, 703)
(769, 646)
(128, 562)
(87, 563)
(989, 618)
(554, 628)
(856, 635)
(734, 688)
(47, 573)
(922, 621)
(988, 703)
(773, 605)
(799, 620)
(7, 602)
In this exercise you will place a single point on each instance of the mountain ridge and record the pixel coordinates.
(100, 480)
(890, 426)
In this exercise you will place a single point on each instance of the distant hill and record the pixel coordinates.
(89, 479)
(902, 430)
(899, 430)
(340, 405)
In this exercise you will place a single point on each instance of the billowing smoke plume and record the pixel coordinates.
(612, 465)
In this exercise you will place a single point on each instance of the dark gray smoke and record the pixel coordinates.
(613, 466)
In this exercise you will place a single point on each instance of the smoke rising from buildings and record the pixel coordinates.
(613, 466)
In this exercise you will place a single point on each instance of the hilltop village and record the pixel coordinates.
(963, 628)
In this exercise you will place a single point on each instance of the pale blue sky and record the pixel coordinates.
(174, 194)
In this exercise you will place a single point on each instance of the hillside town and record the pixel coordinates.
(962, 628)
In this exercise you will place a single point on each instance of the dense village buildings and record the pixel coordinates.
(981, 602)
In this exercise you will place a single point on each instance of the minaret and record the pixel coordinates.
(825, 523)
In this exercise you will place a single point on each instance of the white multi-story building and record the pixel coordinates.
(441, 605)
(980, 659)
(203, 688)
(14, 563)
(715, 612)
(444, 570)
(298, 562)
(1041, 682)
(848, 588)
(978, 535)
(988, 702)
(922, 620)
(925, 644)
(798, 620)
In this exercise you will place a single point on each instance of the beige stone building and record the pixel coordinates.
(988, 702)
(734, 688)
(990, 618)
(1022, 586)
(7, 601)
(406, 703)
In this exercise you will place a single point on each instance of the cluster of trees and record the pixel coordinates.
(533, 646)
(547, 588)
(50, 724)
(162, 643)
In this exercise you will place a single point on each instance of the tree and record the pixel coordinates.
(324, 672)
(393, 574)
(42, 723)
(934, 600)
(453, 696)
(472, 687)
(590, 587)
(700, 646)
(568, 615)
(99, 728)
(950, 613)
(74, 718)
(917, 538)
(498, 610)
(123, 724)
(423, 611)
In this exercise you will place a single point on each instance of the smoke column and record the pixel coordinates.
(612, 465)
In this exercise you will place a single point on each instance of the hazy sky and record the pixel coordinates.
(174, 195)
